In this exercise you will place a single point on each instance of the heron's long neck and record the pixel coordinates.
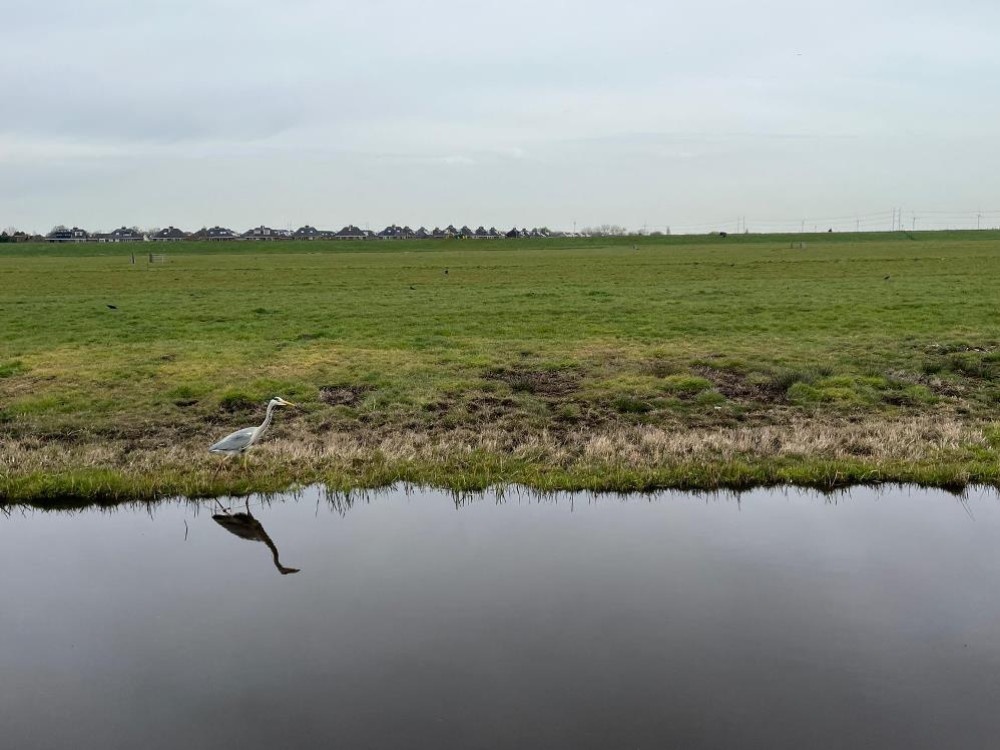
(274, 553)
(267, 421)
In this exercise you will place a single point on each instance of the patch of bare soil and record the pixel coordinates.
(343, 395)
(938, 386)
(546, 383)
(660, 368)
(438, 407)
(735, 386)
(491, 406)
(942, 349)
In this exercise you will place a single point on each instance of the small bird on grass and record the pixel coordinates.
(887, 278)
(239, 442)
(446, 272)
(112, 307)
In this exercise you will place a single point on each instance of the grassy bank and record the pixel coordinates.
(690, 362)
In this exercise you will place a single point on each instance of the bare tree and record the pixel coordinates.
(606, 230)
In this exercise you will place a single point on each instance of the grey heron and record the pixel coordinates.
(239, 442)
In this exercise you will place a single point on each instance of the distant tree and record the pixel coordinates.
(606, 230)
(58, 228)
(4, 237)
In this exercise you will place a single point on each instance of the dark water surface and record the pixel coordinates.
(785, 620)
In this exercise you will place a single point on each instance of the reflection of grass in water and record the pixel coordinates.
(551, 345)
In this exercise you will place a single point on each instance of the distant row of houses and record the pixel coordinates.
(350, 232)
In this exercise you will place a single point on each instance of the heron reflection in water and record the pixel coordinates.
(245, 526)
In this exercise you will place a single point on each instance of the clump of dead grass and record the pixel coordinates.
(616, 458)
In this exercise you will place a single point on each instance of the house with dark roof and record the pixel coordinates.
(421, 234)
(308, 233)
(350, 232)
(214, 234)
(62, 234)
(394, 232)
(514, 234)
(124, 234)
(265, 233)
(465, 232)
(481, 233)
(450, 231)
(170, 234)
(389, 233)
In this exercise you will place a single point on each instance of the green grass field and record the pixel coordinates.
(603, 364)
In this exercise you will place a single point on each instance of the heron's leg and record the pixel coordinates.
(218, 469)
(223, 464)
(248, 505)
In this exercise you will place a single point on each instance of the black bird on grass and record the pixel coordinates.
(112, 307)
(446, 272)
(887, 278)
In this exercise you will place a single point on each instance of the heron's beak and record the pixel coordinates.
(289, 403)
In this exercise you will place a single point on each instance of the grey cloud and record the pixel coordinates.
(582, 110)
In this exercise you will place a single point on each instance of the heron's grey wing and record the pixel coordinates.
(234, 442)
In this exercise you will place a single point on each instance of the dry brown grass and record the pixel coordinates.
(914, 440)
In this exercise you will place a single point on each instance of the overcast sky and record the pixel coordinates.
(195, 112)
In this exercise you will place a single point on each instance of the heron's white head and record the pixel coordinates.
(279, 401)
